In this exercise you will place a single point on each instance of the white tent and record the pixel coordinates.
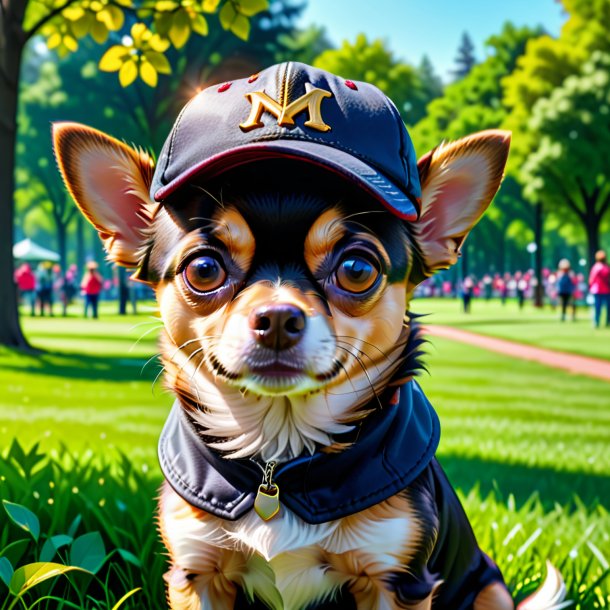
(28, 251)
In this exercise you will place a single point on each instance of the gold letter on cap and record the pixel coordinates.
(284, 114)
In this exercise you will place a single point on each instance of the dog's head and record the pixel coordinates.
(282, 287)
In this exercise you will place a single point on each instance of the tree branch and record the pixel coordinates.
(567, 197)
(43, 20)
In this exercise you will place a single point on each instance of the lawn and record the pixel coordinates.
(526, 445)
(539, 327)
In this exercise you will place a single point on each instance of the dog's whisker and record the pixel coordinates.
(157, 355)
(366, 373)
(146, 333)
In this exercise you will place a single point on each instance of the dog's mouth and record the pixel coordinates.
(276, 375)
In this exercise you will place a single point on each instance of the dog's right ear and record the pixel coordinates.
(109, 182)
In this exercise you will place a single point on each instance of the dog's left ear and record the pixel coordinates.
(458, 181)
(109, 182)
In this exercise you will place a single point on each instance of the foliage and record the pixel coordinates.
(83, 519)
(465, 58)
(475, 102)
(543, 94)
(573, 128)
(159, 25)
(373, 62)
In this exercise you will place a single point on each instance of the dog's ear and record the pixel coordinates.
(458, 181)
(109, 182)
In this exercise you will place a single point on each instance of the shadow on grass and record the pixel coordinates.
(522, 481)
(81, 366)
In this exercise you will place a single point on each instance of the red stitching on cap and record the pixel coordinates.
(224, 87)
(253, 78)
(351, 84)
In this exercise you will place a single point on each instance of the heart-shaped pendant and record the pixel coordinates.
(267, 502)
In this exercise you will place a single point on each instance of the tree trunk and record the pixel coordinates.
(80, 243)
(538, 232)
(61, 243)
(465, 261)
(123, 291)
(11, 48)
(592, 228)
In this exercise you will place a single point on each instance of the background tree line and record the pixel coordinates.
(552, 92)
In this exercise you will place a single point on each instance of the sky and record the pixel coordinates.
(413, 28)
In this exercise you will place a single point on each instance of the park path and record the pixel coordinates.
(582, 365)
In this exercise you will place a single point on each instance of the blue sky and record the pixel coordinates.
(433, 27)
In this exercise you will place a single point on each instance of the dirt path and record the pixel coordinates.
(582, 365)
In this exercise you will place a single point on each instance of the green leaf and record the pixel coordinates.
(74, 525)
(30, 575)
(128, 73)
(180, 30)
(99, 32)
(114, 58)
(227, 15)
(148, 74)
(200, 25)
(6, 571)
(23, 517)
(251, 7)
(112, 17)
(52, 545)
(241, 27)
(88, 552)
(15, 550)
(126, 596)
(81, 27)
(130, 558)
(159, 62)
(210, 6)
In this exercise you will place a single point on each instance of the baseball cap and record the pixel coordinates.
(292, 110)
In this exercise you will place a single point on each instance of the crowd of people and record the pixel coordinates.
(41, 288)
(563, 288)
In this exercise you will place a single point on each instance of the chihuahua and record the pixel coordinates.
(284, 229)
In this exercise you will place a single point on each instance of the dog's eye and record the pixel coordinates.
(356, 274)
(204, 274)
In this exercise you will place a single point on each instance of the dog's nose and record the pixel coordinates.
(277, 326)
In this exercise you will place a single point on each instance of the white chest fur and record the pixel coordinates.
(309, 561)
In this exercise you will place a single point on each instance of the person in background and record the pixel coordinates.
(26, 284)
(91, 287)
(521, 282)
(467, 290)
(599, 287)
(566, 284)
(44, 287)
(68, 288)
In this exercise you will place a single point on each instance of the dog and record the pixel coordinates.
(284, 230)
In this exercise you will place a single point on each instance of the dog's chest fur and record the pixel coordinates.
(309, 562)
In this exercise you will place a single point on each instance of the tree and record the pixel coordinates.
(570, 166)
(373, 62)
(465, 59)
(158, 25)
(546, 66)
(474, 103)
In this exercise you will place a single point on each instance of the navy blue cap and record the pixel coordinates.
(292, 110)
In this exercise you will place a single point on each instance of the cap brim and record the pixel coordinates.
(327, 157)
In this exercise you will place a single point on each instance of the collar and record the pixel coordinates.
(388, 450)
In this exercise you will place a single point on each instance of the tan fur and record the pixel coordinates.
(325, 232)
(310, 562)
(348, 353)
(231, 229)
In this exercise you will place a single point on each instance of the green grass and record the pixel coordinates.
(539, 327)
(520, 441)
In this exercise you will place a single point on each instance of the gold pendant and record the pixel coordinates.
(267, 502)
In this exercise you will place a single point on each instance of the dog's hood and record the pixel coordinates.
(388, 450)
